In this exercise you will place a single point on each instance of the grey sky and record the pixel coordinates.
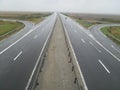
(82, 6)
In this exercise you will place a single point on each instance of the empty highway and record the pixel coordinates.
(99, 66)
(98, 57)
(20, 54)
(104, 40)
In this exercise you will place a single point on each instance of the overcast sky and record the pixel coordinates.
(82, 6)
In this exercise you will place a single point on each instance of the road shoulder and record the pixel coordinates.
(57, 71)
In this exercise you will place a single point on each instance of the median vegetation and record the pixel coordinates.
(33, 17)
(7, 28)
(113, 32)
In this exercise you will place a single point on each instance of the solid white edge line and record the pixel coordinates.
(80, 72)
(107, 50)
(31, 30)
(104, 66)
(91, 36)
(18, 55)
(29, 81)
(19, 39)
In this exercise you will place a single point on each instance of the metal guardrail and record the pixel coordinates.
(79, 79)
(33, 81)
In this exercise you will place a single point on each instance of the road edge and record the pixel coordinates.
(40, 61)
(77, 70)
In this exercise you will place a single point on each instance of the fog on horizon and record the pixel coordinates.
(80, 6)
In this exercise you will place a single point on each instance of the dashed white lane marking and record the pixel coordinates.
(115, 48)
(35, 36)
(37, 62)
(90, 35)
(17, 55)
(104, 66)
(19, 39)
(83, 40)
(95, 47)
(107, 50)
(103, 47)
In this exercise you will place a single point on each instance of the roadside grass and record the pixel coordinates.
(113, 32)
(7, 28)
(85, 23)
(88, 23)
(36, 20)
(33, 17)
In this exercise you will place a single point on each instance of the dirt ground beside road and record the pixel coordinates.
(56, 73)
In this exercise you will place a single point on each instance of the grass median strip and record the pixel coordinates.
(7, 28)
(113, 32)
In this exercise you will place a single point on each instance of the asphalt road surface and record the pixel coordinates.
(19, 54)
(104, 40)
(99, 65)
(56, 73)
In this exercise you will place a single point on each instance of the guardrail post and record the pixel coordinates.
(79, 80)
(75, 80)
(67, 48)
(72, 68)
(43, 58)
(37, 83)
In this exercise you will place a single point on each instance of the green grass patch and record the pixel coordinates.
(33, 17)
(7, 28)
(88, 23)
(36, 20)
(113, 32)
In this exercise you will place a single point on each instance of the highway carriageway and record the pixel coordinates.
(22, 53)
(99, 66)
